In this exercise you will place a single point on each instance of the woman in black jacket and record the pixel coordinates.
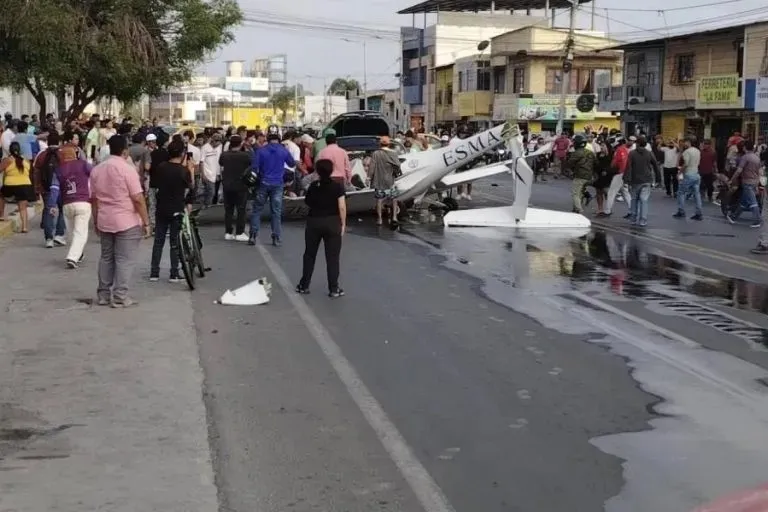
(326, 222)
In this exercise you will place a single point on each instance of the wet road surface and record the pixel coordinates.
(482, 370)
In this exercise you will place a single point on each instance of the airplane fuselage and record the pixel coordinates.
(421, 171)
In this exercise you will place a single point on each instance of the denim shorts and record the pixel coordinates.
(382, 194)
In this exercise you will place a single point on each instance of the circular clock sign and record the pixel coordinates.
(585, 103)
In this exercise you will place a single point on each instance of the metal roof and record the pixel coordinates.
(485, 5)
(681, 35)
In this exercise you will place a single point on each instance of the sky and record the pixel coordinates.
(326, 39)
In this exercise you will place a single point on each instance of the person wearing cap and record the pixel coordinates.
(270, 164)
(157, 155)
(233, 164)
(384, 168)
(320, 142)
(342, 169)
(445, 140)
(211, 172)
(141, 156)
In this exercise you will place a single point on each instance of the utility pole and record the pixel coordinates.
(365, 76)
(296, 104)
(325, 100)
(567, 65)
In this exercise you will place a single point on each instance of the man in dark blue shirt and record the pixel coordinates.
(270, 163)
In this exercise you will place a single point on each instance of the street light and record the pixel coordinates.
(365, 69)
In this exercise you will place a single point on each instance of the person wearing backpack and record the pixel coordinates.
(54, 226)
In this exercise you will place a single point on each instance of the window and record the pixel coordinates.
(461, 81)
(580, 80)
(635, 69)
(483, 79)
(449, 95)
(499, 80)
(518, 80)
(554, 81)
(684, 68)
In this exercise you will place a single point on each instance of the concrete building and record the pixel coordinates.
(453, 36)
(524, 71)
(275, 69)
(702, 83)
(385, 101)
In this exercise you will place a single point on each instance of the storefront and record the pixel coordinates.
(720, 105)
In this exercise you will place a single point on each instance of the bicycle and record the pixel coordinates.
(190, 247)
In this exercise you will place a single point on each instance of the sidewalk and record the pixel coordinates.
(100, 409)
(11, 224)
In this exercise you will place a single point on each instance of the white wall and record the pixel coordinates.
(22, 102)
(457, 35)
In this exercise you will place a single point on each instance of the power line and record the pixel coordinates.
(671, 9)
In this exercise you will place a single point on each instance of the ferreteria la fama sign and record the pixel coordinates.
(719, 92)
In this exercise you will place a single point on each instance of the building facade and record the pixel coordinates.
(702, 84)
(453, 36)
(526, 75)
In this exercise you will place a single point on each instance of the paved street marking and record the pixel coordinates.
(421, 482)
(711, 253)
(753, 400)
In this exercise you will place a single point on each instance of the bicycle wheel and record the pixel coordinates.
(197, 248)
(185, 259)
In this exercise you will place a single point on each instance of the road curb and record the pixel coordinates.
(7, 226)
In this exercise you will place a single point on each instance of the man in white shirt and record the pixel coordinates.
(189, 139)
(671, 157)
(211, 172)
(691, 182)
(290, 141)
(8, 135)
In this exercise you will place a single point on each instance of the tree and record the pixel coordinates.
(283, 99)
(108, 48)
(341, 86)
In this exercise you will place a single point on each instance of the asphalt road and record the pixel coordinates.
(485, 371)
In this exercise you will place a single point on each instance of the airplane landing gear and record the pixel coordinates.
(450, 204)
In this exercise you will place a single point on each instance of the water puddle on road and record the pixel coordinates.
(711, 438)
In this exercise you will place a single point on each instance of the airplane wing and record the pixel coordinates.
(459, 178)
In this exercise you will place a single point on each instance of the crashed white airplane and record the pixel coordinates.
(426, 174)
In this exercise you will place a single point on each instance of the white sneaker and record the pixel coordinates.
(467, 197)
(49, 244)
(229, 236)
(242, 237)
(59, 240)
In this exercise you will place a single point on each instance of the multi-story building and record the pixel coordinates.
(525, 74)
(702, 84)
(386, 101)
(453, 36)
(274, 68)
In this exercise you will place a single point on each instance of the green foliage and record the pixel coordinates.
(108, 48)
(341, 86)
(283, 100)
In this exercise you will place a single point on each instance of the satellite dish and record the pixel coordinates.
(482, 45)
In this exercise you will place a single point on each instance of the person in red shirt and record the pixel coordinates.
(735, 139)
(619, 165)
(708, 169)
(561, 146)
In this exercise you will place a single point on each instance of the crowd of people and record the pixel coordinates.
(628, 169)
(134, 180)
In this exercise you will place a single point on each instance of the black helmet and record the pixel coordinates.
(579, 141)
(251, 178)
(273, 132)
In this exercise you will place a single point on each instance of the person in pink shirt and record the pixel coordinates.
(342, 170)
(121, 221)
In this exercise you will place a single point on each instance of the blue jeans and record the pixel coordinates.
(275, 195)
(53, 226)
(748, 202)
(640, 196)
(690, 185)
